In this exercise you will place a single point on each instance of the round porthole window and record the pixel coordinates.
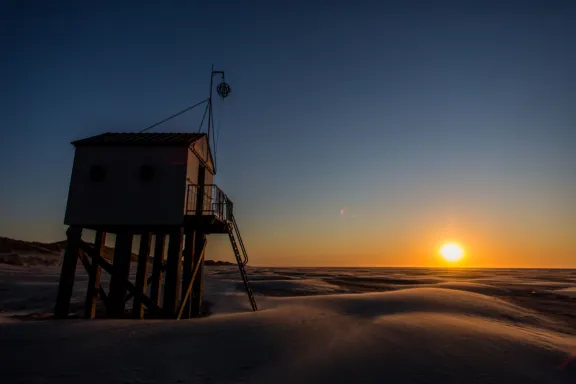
(147, 173)
(97, 173)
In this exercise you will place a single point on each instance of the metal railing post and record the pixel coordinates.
(210, 199)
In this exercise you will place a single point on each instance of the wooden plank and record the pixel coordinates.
(148, 282)
(173, 272)
(186, 295)
(187, 271)
(131, 287)
(199, 249)
(157, 267)
(119, 278)
(99, 259)
(103, 296)
(68, 272)
(85, 247)
(94, 274)
(141, 275)
(88, 266)
(82, 252)
(151, 305)
(84, 259)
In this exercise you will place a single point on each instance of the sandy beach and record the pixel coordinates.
(365, 325)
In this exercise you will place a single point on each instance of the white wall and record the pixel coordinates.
(192, 167)
(200, 148)
(123, 199)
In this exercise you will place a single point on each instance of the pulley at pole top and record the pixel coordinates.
(223, 89)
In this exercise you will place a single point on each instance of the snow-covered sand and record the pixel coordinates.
(316, 326)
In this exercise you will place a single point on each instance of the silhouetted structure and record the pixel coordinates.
(152, 185)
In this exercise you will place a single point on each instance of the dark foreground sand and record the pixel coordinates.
(315, 326)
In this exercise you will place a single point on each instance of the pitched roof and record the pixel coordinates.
(134, 138)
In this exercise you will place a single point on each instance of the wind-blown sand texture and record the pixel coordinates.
(317, 325)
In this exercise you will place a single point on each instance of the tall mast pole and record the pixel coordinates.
(223, 90)
(210, 103)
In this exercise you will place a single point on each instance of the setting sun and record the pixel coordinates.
(451, 252)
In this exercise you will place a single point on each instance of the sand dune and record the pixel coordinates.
(569, 292)
(457, 330)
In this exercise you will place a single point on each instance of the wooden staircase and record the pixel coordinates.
(241, 257)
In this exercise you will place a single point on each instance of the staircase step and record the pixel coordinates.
(232, 227)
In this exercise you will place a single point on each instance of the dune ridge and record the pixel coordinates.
(457, 330)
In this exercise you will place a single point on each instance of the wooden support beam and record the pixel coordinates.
(199, 249)
(68, 272)
(103, 296)
(187, 271)
(148, 282)
(88, 267)
(141, 275)
(186, 294)
(131, 287)
(199, 244)
(87, 249)
(84, 259)
(173, 272)
(157, 268)
(119, 278)
(94, 273)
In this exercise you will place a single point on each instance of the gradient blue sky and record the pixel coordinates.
(420, 122)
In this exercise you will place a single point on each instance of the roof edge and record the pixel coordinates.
(109, 141)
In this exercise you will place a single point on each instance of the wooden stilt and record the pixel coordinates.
(173, 272)
(119, 278)
(131, 287)
(94, 277)
(148, 282)
(200, 242)
(187, 270)
(142, 274)
(188, 293)
(66, 284)
(157, 268)
(88, 267)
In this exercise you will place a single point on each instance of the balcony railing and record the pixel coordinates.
(213, 201)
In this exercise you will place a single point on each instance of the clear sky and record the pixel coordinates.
(363, 134)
